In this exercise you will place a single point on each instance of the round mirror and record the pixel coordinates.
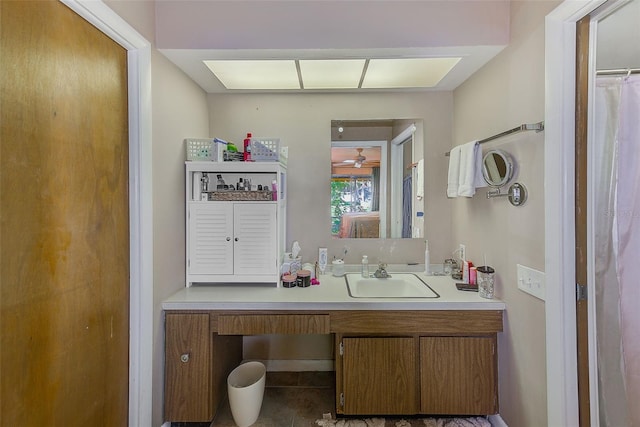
(497, 168)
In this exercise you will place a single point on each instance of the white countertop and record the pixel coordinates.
(330, 294)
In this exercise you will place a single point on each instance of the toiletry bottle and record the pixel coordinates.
(246, 156)
(365, 266)
(427, 260)
(220, 183)
(274, 190)
(466, 265)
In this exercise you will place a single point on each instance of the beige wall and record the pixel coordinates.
(505, 93)
(179, 110)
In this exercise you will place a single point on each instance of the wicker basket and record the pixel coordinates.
(240, 195)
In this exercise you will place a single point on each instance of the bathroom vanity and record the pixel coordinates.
(397, 356)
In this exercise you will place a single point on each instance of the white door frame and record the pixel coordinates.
(140, 202)
(560, 59)
(383, 175)
(397, 179)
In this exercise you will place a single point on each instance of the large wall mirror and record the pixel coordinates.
(376, 179)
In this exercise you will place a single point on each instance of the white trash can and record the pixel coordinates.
(245, 386)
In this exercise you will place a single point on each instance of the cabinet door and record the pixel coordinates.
(255, 239)
(458, 375)
(188, 385)
(379, 376)
(210, 238)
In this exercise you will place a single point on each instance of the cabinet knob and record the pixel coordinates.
(236, 239)
(228, 238)
(184, 358)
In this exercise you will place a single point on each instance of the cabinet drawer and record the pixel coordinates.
(250, 324)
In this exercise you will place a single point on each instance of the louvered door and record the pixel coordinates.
(210, 238)
(255, 239)
(232, 242)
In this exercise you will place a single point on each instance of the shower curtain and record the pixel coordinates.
(615, 159)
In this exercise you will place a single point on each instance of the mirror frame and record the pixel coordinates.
(508, 173)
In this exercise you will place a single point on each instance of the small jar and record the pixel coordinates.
(304, 278)
(289, 281)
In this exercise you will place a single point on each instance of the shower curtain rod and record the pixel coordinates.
(618, 71)
(538, 127)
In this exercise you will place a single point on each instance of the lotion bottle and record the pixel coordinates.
(427, 259)
(365, 266)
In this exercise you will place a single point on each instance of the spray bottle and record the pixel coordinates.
(246, 156)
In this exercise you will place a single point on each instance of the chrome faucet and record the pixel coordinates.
(381, 272)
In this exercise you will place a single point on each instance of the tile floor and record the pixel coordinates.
(291, 399)
(298, 399)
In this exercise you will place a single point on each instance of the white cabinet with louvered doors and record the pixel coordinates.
(234, 241)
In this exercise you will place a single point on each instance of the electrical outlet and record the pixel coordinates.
(532, 281)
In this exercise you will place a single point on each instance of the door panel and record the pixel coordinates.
(582, 328)
(380, 376)
(255, 238)
(64, 259)
(211, 238)
(187, 368)
(458, 375)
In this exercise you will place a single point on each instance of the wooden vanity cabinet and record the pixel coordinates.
(458, 375)
(379, 375)
(447, 363)
(387, 362)
(197, 363)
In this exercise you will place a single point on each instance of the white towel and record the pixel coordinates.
(454, 172)
(470, 169)
(420, 179)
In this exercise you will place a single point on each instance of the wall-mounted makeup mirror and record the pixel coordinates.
(497, 168)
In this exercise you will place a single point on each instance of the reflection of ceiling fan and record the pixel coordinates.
(357, 162)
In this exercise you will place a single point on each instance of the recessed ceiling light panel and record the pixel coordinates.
(262, 74)
(331, 73)
(407, 72)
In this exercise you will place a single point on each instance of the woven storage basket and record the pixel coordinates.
(239, 196)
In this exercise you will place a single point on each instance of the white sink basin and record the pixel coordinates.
(398, 285)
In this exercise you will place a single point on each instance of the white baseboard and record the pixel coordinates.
(497, 421)
(297, 365)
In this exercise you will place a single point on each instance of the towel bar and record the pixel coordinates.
(538, 127)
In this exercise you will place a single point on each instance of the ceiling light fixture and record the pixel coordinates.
(331, 73)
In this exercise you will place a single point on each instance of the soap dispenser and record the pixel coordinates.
(365, 267)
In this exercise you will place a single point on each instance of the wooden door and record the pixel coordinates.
(458, 375)
(581, 223)
(64, 256)
(379, 376)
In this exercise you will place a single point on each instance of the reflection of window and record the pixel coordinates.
(350, 194)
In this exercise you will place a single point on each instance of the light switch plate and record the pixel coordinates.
(532, 281)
